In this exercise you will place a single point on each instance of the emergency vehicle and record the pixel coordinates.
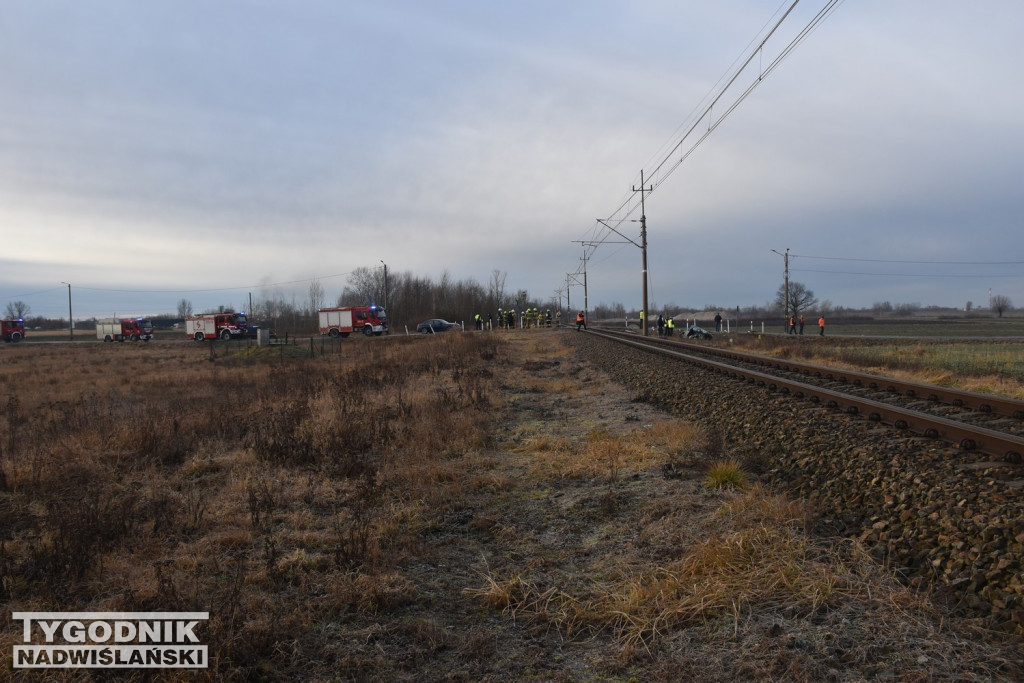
(131, 329)
(216, 326)
(341, 322)
(12, 330)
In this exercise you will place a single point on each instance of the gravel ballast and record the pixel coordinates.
(938, 516)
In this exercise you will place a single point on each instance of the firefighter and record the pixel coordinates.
(581, 321)
(479, 321)
(670, 325)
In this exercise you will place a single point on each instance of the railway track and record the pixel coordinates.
(972, 422)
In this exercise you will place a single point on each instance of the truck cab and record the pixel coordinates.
(12, 330)
(137, 328)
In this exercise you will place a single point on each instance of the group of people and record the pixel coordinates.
(530, 317)
(666, 326)
(795, 321)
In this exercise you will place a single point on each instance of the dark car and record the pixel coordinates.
(434, 325)
(253, 331)
(698, 333)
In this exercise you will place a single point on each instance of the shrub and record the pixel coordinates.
(726, 475)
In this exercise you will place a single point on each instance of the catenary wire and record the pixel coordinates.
(669, 162)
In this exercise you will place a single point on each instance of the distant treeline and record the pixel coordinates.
(410, 299)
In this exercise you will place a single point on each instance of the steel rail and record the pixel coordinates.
(966, 437)
(982, 403)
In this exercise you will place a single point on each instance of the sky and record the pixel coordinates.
(160, 150)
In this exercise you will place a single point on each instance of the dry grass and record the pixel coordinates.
(272, 492)
(973, 365)
(598, 453)
(726, 475)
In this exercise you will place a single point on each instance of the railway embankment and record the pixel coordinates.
(940, 517)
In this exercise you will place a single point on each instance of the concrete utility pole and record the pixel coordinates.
(643, 247)
(71, 321)
(586, 302)
(385, 284)
(785, 260)
(585, 258)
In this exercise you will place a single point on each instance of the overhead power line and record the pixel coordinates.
(935, 263)
(708, 121)
(983, 276)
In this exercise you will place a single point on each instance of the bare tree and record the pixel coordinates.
(273, 306)
(316, 296)
(907, 308)
(496, 289)
(184, 308)
(800, 297)
(443, 292)
(17, 309)
(522, 298)
(365, 286)
(1000, 303)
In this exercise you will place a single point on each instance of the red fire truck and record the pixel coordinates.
(216, 326)
(12, 330)
(370, 320)
(131, 329)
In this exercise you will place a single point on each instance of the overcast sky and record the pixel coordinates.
(159, 150)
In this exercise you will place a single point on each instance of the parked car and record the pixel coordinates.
(434, 325)
(253, 331)
(698, 333)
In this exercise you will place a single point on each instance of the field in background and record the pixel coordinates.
(921, 327)
(985, 365)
